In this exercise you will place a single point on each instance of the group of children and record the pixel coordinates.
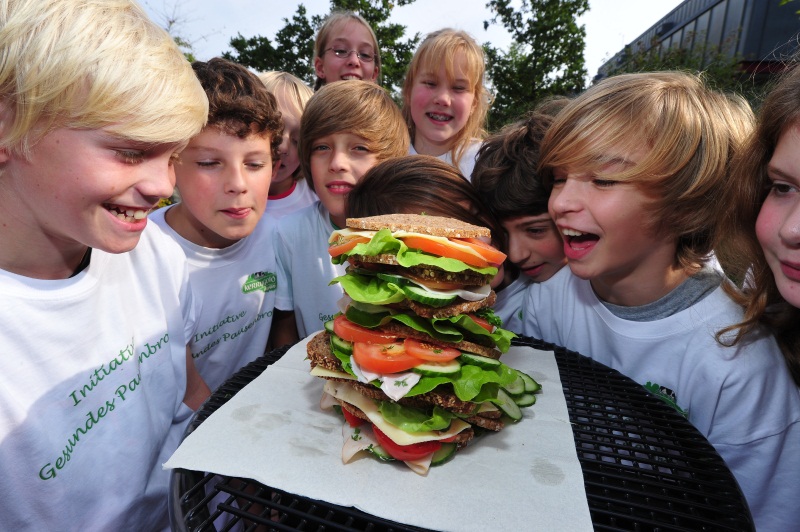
(678, 221)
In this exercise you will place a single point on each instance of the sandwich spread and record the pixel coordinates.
(412, 361)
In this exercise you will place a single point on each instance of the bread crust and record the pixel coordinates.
(420, 223)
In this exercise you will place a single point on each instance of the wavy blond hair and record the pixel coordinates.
(690, 134)
(92, 64)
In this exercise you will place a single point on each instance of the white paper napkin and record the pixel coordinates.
(526, 477)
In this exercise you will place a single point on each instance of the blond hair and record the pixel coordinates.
(334, 20)
(441, 48)
(690, 134)
(93, 64)
(357, 107)
(289, 87)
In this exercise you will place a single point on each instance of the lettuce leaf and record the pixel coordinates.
(414, 420)
(370, 289)
(470, 384)
(384, 243)
(453, 329)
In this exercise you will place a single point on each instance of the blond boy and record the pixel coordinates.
(347, 128)
(96, 100)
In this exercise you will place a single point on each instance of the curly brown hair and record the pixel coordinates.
(238, 102)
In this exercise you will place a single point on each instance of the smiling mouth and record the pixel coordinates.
(579, 240)
(127, 214)
(350, 76)
(438, 117)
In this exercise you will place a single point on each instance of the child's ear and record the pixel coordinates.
(318, 70)
(276, 164)
(374, 73)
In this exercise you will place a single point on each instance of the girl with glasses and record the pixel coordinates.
(346, 48)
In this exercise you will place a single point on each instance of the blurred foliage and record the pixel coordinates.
(545, 57)
(720, 66)
(292, 49)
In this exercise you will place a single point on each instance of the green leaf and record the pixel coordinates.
(414, 420)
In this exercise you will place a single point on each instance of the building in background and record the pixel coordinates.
(762, 33)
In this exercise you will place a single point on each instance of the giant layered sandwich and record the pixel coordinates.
(413, 359)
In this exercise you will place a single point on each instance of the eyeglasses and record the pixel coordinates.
(344, 54)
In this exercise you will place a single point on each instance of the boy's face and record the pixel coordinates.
(338, 162)
(439, 108)
(604, 227)
(535, 246)
(282, 180)
(352, 35)
(223, 182)
(86, 188)
(778, 224)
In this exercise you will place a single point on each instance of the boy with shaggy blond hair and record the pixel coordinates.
(96, 101)
(639, 171)
(347, 128)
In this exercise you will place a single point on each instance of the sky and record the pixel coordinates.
(210, 24)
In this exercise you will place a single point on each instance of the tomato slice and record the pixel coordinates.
(490, 253)
(482, 322)
(432, 352)
(337, 249)
(352, 332)
(383, 358)
(434, 247)
(415, 451)
(352, 420)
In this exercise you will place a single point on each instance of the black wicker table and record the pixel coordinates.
(644, 466)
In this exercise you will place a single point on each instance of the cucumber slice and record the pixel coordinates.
(444, 454)
(517, 387)
(508, 406)
(392, 278)
(531, 386)
(477, 360)
(436, 369)
(329, 326)
(420, 295)
(378, 452)
(526, 399)
(342, 345)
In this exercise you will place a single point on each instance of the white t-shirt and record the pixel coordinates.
(92, 375)
(236, 286)
(301, 250)
(467, 163)
(508, 306)
(302, 196)
(741, 398)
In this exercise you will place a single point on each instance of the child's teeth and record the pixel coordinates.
(570, 232)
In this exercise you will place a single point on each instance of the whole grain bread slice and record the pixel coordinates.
(420, 223)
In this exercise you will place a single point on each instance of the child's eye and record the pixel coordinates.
(604, 183)
(130, 156)
(428, 83)
(256, 165)
(207, 164)
(778, 188)
(362, 149)
(319, 147)
(460, 88)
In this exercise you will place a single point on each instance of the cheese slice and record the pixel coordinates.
(345, 392)
(319, 371)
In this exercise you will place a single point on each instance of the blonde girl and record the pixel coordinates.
(444, 99)
(288, 190)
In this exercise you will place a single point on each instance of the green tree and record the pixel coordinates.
(293, 48)
(170, 16)
(545, 57)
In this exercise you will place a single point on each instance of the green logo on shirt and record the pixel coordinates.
(266, 281)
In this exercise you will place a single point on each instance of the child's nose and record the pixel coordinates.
(516, 252)
(235, 182)
(790, 229)
(564, 198)
(338, 161)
